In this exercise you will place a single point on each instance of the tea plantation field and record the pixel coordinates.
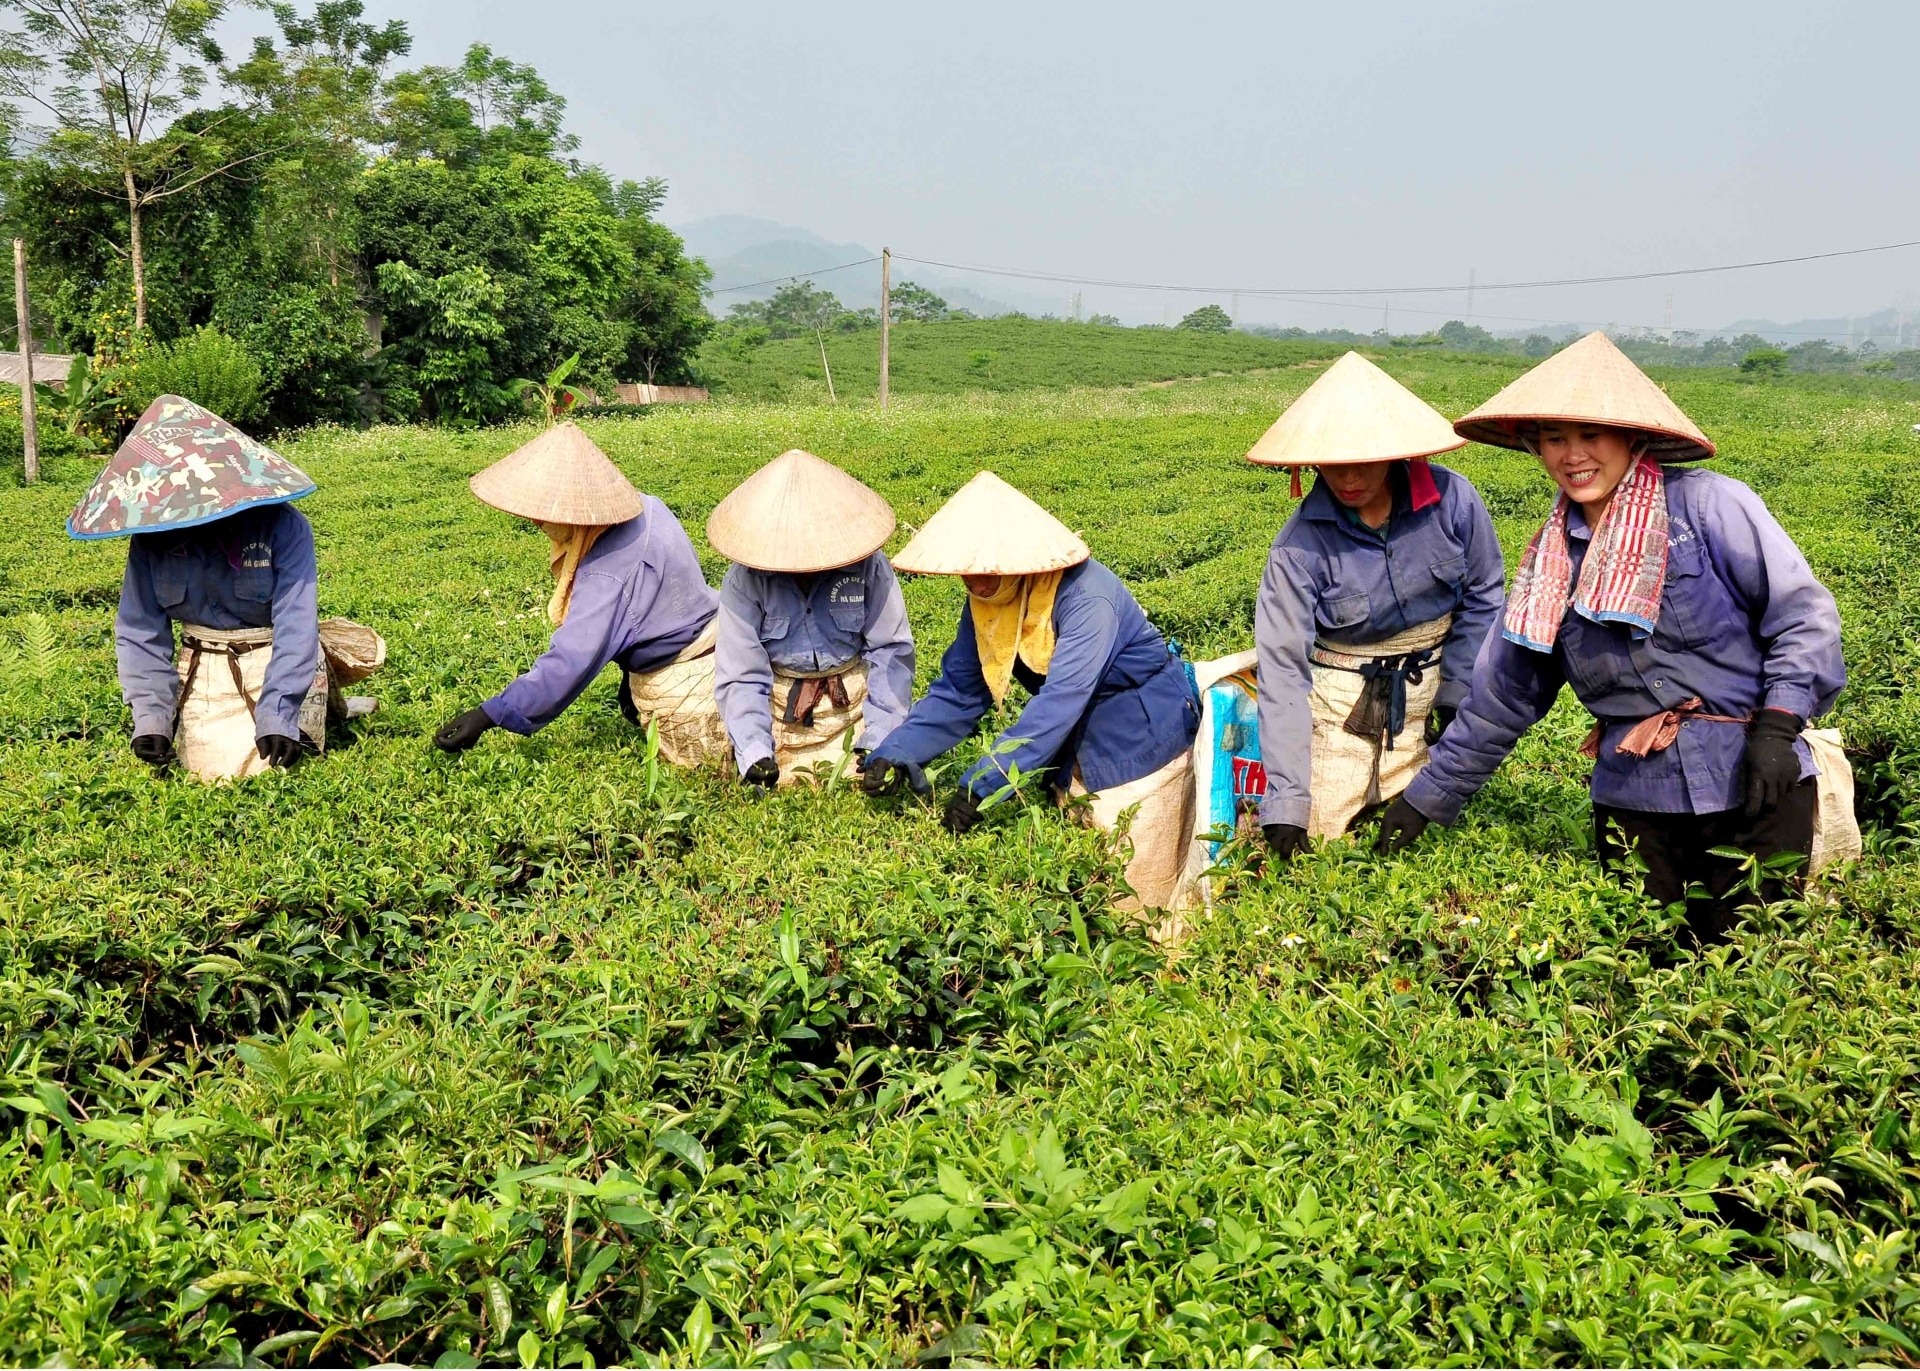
(546, 1055)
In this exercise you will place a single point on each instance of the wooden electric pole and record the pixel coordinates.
(28, 419)
(886, 313)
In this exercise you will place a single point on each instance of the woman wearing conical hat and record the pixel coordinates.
(1377, 595)
(1685, 620)
(813, 641)
(216, 548)
(627, 589)
(1113, 709)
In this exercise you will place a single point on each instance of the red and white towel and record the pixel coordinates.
(1621, 577)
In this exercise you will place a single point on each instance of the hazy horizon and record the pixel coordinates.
(1264, 146)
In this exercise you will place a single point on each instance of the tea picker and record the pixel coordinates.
(627, 588)
(814, 651)
(1113, 709)
(216, 548)
(1685, 620)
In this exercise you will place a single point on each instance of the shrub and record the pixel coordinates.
(206, 367)
(1208, 319)
(1764, 362)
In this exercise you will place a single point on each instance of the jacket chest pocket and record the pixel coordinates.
(169, 580)
(773, 627)
(1692, 602)
(1348, 610)
(254, 584)
(848, 617)
(1451, 572)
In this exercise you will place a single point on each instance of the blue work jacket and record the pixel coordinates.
(1115, 704)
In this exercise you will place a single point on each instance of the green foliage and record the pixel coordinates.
(1207, 319)
(451, 328)
(551, 397)
(205, 366)
(910, 302)
(79, 406)
(549, 1052)
(1764, 362)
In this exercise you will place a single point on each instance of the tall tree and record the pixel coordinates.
(115, 74)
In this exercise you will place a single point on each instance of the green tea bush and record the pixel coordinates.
(548, 1054)
(207, 367)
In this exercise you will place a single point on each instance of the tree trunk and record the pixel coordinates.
(138, 256)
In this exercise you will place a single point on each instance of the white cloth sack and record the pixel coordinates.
(678, 699)
(1158, 840)
(797, 748)
(1836, 832)
(1351, 774)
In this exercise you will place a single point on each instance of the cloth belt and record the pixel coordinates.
(809, 688)
(1382, 706)
(1657, 732)
(233, 644)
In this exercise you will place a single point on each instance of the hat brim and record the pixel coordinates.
(1664, 444)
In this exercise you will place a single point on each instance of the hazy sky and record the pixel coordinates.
(1286, 145)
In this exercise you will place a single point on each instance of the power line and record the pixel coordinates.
(797, 276)
(1454, 287)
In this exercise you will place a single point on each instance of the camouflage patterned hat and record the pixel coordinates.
(182, 466)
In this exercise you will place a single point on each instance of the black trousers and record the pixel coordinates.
(1677, 851)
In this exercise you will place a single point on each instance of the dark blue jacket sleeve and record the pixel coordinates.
(143, 648)
(888, 652)
(1484, 597)
(1084, 637)
(948, 713)
(579, 649)
(1513, 688)
(296, 629)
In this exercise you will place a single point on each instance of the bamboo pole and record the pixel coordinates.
(29, 420)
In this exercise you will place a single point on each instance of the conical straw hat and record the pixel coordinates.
(990, 529)
(180, 467)
(1355, 412)
(559, 478)
(798, 514)
(1591, 381)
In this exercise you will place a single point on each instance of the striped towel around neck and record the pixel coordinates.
(1621, 577)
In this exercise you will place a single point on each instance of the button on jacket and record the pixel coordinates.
(1330, 577)
(1743, 625)
(1115, 705)
(254, 569)
(639, 597)
(768, 621)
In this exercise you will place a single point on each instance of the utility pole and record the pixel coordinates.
(886, 317)
(1471, 274)
(1669, 318)
(1234, 318)
(28, 419)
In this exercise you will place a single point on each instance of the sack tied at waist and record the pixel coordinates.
(1382, 706)
(233, 645)
(1657, 732)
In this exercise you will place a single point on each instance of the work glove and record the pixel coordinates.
(1437, 720)
(277, 748)
(764, 773)
(1286, 840)
(1400, 828)
(624, 698)
(963, 812)
(462, 731)
(1771, 767)
(155, 749)
(879, 777)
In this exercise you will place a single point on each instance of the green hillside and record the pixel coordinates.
(990, 354)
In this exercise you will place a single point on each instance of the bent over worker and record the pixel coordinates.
(814, 650)
(627, 589)
(1377, 595)
(1684, 618)
(1113, 712)
(217, 549)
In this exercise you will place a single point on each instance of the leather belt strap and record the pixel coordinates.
(807, 693)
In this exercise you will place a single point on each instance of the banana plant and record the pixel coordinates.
(553, 396)
(85, 399)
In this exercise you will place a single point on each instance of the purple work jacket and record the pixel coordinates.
(639, 597)
(1743, 625)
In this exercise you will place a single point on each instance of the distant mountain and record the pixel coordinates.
(743, 250)
(1887, 329)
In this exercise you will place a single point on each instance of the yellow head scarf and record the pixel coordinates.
(571, 542)
(1016, 620)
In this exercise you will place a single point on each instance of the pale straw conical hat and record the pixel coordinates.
(1354, 413)
(559, 478)
(990, 529)
(1593, 382)
(799, 514)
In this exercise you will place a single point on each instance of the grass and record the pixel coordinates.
(548, 1054)
(990, 355)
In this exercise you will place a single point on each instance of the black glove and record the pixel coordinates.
(155, 749)
(764, 773)
(962, 813)
(884, 778)
(462, 731)
(1287, 840)
(624, 698)
(1400, 828)
(1771, 767)
(277, 748)
(1437, 720)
